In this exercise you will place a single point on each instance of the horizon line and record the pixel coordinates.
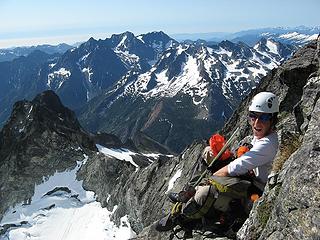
(74, 39)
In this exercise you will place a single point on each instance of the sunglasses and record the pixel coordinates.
(264, 117)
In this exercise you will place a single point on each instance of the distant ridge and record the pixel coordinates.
(303, 35)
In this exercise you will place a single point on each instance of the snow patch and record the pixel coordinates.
(63, 215)
(51, 65)
(181, 49)
(127, 58)
(302, 38)
(167, 54)
(222, 51)
(140, 37)
(57, 78)
(126, 155)
(121, 154)
(88, 73)
(210, 50)
(121, 43)
(30, 110)
(162, 78)
(272, 46)
(84, 57)
(173, 179)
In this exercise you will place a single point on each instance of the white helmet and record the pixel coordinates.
(265, 102)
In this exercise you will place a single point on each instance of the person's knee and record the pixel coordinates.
(201, 194)
(201, 202)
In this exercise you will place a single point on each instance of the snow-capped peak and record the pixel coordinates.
(192, 69)
(299, 37)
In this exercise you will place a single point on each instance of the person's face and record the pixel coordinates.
(260, 123)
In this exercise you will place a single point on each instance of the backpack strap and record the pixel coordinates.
(176, 209)
(234, 187)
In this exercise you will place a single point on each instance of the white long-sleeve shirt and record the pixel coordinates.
(259, 158)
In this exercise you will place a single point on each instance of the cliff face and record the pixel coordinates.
(41, 137)
(289, 207)
(42, 146)
(141, 194)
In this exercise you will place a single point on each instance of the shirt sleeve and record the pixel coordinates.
(262, 152)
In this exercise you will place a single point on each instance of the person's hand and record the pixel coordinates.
(205, 182)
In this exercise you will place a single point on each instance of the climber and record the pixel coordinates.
(224, 185)
(262, 118)
(216, 143)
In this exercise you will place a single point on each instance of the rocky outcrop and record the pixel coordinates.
(43, 137)
(141, 194)
(40, 138)
(289, 208)
(107, 140)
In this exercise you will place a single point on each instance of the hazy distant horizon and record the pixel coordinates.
(75, 39)
(27, 23)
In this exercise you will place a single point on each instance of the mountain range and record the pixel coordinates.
(13, 53)
(187, 94)
(290, 35)
(26, 76)
(126, 84)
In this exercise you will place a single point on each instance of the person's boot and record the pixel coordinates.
(165, 224)
(182, 196)
(175, 197)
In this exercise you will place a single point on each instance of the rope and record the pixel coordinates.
(228, 143)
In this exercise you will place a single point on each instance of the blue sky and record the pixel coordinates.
(26, 22)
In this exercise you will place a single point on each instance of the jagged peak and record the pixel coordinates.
(89, 44)
(157, 36)
(121, 35)
(243, 44)
(155, 33)
(45, 113)
(50, 100)
(226, 43)
(261, 44)
(262, 40)
(91, 39)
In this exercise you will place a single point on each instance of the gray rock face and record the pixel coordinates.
(140, 194)
(40, 138)
(289, 208)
